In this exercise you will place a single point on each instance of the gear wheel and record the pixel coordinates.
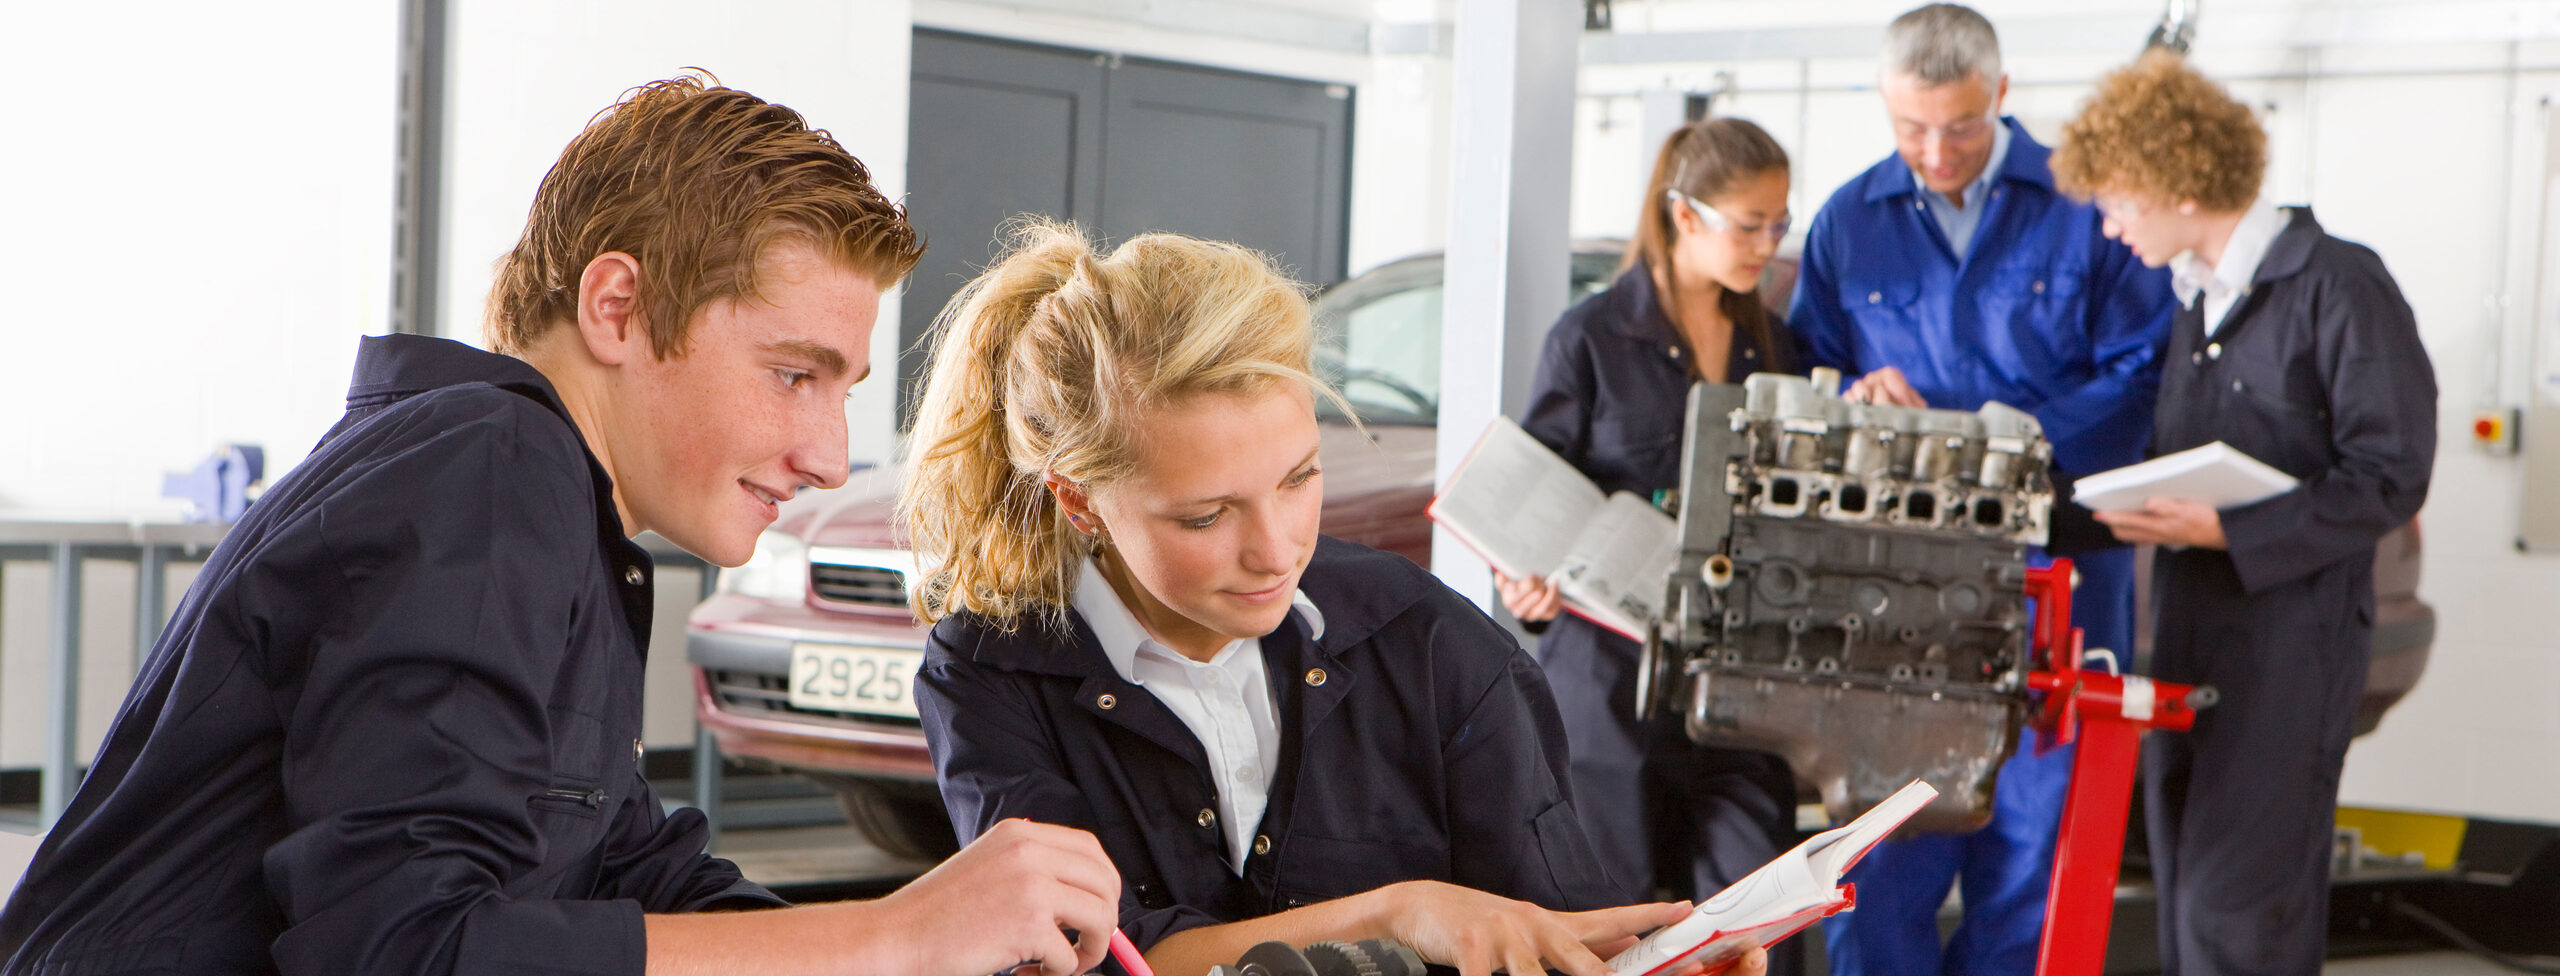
(1274, 959)
(1392, 957)
(1342, 959)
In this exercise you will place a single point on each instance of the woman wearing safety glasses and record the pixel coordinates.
(1609, 396)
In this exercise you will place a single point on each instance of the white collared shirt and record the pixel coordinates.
(1226, 701)
(2224, 284)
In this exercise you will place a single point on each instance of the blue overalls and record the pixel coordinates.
(2043, 313)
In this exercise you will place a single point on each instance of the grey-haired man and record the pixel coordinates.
(1949, 275)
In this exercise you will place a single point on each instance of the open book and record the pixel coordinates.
(1778, 900)
(2216, 474)
(1530, 514)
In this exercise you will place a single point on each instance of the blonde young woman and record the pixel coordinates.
(1275, 735)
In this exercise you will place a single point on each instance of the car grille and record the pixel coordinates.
(861, 586)
(751, 693)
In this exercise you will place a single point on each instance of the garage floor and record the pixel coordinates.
(831, 862)
(820, 863)
(2419, 964)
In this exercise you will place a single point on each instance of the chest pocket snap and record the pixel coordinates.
(1881, 296)
(2038, 282)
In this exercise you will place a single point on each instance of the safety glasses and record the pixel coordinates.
(1717, 220)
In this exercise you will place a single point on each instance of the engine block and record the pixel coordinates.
(1849, 593)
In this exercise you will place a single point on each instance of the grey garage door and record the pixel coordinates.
(1121, 146)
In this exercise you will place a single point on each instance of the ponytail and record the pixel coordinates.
(992, 522)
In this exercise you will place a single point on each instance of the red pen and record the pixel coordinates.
(1127, 952)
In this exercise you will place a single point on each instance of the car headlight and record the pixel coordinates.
(778, 571)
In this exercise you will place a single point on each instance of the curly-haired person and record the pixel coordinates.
(2296, 348)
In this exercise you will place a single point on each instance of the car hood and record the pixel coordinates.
(1376, 479)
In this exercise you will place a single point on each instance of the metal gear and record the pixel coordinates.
(1342, 959)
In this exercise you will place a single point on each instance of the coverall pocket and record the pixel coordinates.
(1879, 298)
(1572, 865)
(1323, 868)
(2275, 403)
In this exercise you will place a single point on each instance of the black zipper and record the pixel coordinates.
(592, 798)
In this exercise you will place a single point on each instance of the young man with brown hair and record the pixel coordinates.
(2296, 348)
(394, 726)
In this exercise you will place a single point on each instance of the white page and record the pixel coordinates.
(1762, 905)
(1618, 569)
(1516, 503)
(2215, 474)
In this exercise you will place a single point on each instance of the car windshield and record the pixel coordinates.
(1383, 354)
(1379, 337)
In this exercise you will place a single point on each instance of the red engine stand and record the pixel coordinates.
(2106, 714)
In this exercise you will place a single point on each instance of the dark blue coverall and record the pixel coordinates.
(2042, 313)
(1611, 396)
(395, 724)
(1418, 742)
(2317, 369)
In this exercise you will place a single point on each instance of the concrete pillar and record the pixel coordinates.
(1513, 72)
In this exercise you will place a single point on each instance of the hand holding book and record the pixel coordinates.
(1531, 600)
(2174, 522)
(2176, 499)
(1533, 517)
(1779, 900)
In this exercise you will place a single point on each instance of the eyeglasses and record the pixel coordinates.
(1717, 220)
(1966, 130)
(2121, 208)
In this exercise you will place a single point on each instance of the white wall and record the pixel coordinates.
(198, 202)
(2481, 734)
(524, 78)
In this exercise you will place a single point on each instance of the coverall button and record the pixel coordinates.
(1262, 844)
(631, 575)
(638, 752)
(2196, 358)
(2038, 287)
(1108, 701)
(1315, 677)
(1874, 297)
(1208, 818)
(2213, 351)
(2236, 387)
(1674, 351)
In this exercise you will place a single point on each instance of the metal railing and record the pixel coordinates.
(69, 545)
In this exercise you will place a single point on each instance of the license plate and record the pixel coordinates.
(846, 678)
